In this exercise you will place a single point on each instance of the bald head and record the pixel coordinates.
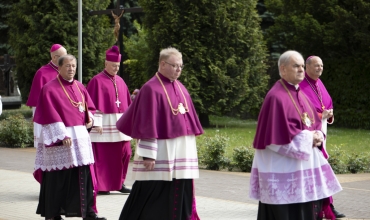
(314, 67)
(57, 53)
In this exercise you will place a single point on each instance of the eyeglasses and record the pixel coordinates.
(175, 66)
(70, 66)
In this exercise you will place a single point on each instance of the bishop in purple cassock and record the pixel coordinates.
(111, 148)
(43, 75)
(163, 119)
(315, 90)
(290, 176)
(64, 152)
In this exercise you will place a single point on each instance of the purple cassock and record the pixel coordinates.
(45, 74)
(69, 166)
(287, 169)
(112, 152)
(54, 106)
(167, 135)
(279, 121)
(315, 91)
(150, 115)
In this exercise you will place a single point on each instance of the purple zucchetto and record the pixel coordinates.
(55, 47)
(113, 54)
(310, 57)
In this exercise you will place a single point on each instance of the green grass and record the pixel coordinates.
(242, 132)
(239, 132)
(351, 140)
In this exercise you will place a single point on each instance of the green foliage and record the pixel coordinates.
(243, 158)
(338, 32)
(27, 113)
(211, 153)
(358, 162)
(133, 148)
(336, 160)
(223, 51)
(137, 49)
(5, 5)
(15, 131)
(34, 25)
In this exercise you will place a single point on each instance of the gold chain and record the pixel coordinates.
(318, 93)
(75, 104)
(114, 83)
(174, 111)
(299, 112)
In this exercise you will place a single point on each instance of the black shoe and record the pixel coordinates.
(93, 216)
(336, 213)
(124, 189)
(103, 192)
(58, 218)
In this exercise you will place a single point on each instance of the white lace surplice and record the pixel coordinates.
(292, 173)
(60, 157)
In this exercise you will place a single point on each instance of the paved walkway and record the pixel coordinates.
(220, 195)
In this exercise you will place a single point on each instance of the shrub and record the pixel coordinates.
(16, 131)
(27, 113)
(336, 160)
(212, 152)
(243, 158)
(133, 147)
(358, 163)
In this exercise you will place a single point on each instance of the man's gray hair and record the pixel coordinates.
(285, 57)
(67, 56)
(167, 52)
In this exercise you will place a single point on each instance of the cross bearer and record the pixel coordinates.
(112, 148)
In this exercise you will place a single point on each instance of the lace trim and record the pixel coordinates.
(51, 133)
(62, 157)
(293, 187)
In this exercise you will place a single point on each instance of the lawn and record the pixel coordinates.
(241, 133)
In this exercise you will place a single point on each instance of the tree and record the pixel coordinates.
(223, 51)
(34, 25)
(5, 5)
(339, 32)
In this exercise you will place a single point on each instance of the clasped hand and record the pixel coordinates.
(327, 113)
(67, 142)
(317, 139)
(99, 129)
(89, 125)
(149, 163)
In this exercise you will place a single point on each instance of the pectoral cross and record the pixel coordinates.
(118, 102)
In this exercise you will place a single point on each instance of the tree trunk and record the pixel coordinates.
(204, 120)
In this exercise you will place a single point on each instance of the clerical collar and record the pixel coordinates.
(310, 79)
(53, 64)
(108, 74)
(66, 79)
(163, 78)
(295, 86)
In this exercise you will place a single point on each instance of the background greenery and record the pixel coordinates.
(230, 47)
(35, 25)
(337, 31)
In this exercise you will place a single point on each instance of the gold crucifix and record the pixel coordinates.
(117, 25)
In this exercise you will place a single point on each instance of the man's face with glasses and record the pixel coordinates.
(172, 67)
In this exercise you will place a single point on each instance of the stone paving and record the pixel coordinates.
(220, 195)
